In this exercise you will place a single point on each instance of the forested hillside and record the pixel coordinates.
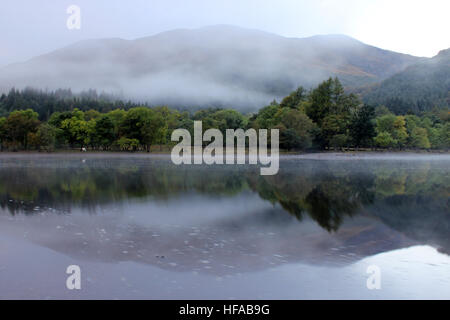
(323, 118)
(45, 103)
(420, 87)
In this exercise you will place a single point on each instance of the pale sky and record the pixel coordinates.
(33, 27)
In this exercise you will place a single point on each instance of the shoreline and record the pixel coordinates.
(321, 155)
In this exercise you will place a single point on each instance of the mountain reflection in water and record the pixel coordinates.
(224, 219)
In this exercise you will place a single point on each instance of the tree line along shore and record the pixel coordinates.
(323, 118)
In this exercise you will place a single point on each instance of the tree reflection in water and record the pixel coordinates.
(408, 196)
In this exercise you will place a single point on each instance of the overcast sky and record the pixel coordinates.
(33, 27)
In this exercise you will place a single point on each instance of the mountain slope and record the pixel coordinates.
(218, 65)
(420, 87)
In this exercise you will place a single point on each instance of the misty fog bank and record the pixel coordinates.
(221, 66)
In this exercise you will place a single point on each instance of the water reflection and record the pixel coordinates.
(224, 219)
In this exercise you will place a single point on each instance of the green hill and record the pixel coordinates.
(420, 87)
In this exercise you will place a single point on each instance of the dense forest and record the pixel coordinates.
(420, 87)
(46, 103)
(323, 118)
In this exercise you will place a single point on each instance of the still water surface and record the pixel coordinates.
(140, 227)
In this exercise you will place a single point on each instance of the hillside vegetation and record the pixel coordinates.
(420, 87)
(323, 118)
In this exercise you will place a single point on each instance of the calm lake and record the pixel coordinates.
(140, 227)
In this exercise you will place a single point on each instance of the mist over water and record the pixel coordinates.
(93, 93)
(199, 229)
